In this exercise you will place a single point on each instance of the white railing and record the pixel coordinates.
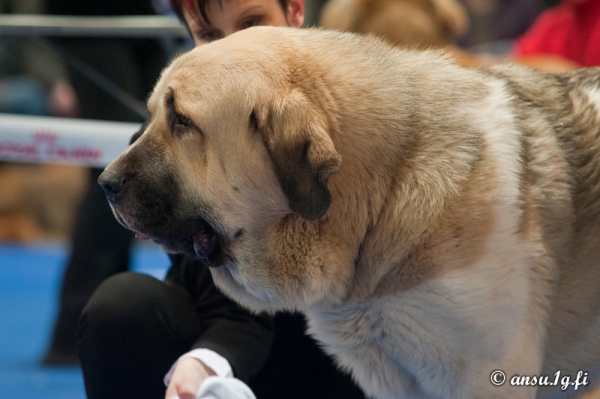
(74, 141)
(118, 26)
(61, 140)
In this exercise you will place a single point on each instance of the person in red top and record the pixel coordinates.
(570, 30)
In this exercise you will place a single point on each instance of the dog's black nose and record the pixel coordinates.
(112, 183)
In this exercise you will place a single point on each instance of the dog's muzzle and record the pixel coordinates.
(195, 236)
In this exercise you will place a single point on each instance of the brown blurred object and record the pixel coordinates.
(422, 24)
(413, 23)
(544, 63)
(547, 63)
(37, 202)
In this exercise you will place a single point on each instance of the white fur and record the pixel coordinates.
(485, 305)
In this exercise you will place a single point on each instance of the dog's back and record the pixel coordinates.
(559, 120)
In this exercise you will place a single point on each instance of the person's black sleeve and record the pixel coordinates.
(243, 338)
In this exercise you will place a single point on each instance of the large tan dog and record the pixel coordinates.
(434, 223)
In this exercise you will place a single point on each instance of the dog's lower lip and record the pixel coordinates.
(204, 242)
(143, 237)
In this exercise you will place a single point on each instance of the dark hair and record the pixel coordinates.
(194, 6)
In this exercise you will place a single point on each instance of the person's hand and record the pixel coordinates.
(187, 377)
(63, 100)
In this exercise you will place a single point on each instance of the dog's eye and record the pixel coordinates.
(182, 120)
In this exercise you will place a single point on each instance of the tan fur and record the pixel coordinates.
(434, 223)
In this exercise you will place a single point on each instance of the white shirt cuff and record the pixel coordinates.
(224, 388)
(211, 359)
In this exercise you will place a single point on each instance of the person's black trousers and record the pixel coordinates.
(135, 327)
(132, 330)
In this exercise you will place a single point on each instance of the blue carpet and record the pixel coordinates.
(30, 278)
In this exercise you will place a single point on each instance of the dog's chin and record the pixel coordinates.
(195, 238)
(206, 248)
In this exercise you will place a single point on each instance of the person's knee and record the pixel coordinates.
(122, 340)
(123, 303)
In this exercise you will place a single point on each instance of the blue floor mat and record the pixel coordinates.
(30, 278)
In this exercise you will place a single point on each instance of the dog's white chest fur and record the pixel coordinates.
(443, 338)
(406, 346)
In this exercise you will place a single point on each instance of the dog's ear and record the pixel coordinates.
(296, 135)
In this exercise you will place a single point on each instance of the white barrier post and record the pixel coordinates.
(60, 140)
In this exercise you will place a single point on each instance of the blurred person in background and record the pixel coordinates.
(34, 80)
(570, 30)
(100, 246)
(37, 199)
(33, 77)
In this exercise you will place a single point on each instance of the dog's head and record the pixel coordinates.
(235, 149)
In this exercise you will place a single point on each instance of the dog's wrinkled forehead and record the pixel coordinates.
(185, 74)
(234, 64)
(196, 81)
